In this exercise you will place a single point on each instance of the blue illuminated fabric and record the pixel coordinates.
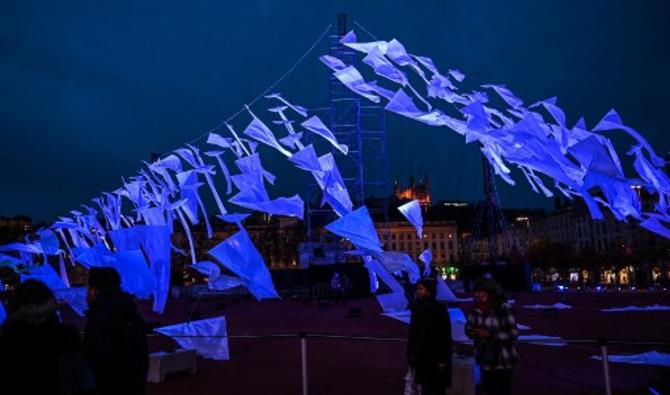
(316, 126)
(49, 242)
(75, 297)
(412, 211)
(207, 269)
(238, 254)
(165, 196)
(426, 257)
(134, 271)
(3, 313)
(208, 337)
(9, 261)
(155, 241)
(380, 273)
(306, 159)
(261, 133)
(45, 274)
(396, 262)
(535, 138)
(358, 228)
(392, 302)
(223, 282)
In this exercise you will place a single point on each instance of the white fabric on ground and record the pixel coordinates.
(543, 340)
(655, 307)
(648, 358)
(208, 337)
(458, 321)
(560, 306)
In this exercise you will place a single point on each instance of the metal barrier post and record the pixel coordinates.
(303, 351)
(606, 365)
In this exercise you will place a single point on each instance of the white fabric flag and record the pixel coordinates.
(316, 126)
(357, 227)
(412, 211)
(208, 337)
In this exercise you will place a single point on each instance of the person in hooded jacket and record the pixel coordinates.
(115, 341)
(429, 341)
(38, 353)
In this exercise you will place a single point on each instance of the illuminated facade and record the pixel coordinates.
(440, 236)
(420, 191)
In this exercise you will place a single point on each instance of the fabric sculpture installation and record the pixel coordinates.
(130, 228)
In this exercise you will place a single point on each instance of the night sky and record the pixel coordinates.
(89, 89)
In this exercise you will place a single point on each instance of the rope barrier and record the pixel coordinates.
(303, 336)
(610, 342)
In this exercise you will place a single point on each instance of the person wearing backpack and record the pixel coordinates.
(115, 341)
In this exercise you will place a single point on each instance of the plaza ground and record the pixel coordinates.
(344, 366)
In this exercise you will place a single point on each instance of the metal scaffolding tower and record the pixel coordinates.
(490, 223)
(360, 125)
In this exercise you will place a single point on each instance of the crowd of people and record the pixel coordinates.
(39, 354)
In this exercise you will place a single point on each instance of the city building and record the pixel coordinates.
(440, 236)
(276, 238)
(14, 228)
(19, 222)
(604, 251)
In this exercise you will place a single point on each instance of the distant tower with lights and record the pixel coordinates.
(490, 223)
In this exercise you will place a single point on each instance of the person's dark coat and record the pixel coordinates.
(41, 355)
(429, 342)
(116, 344)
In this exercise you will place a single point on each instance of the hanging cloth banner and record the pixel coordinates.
(412, 211)
(240, 256)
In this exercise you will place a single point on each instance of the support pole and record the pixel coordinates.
(303, 352)
(606, 365)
